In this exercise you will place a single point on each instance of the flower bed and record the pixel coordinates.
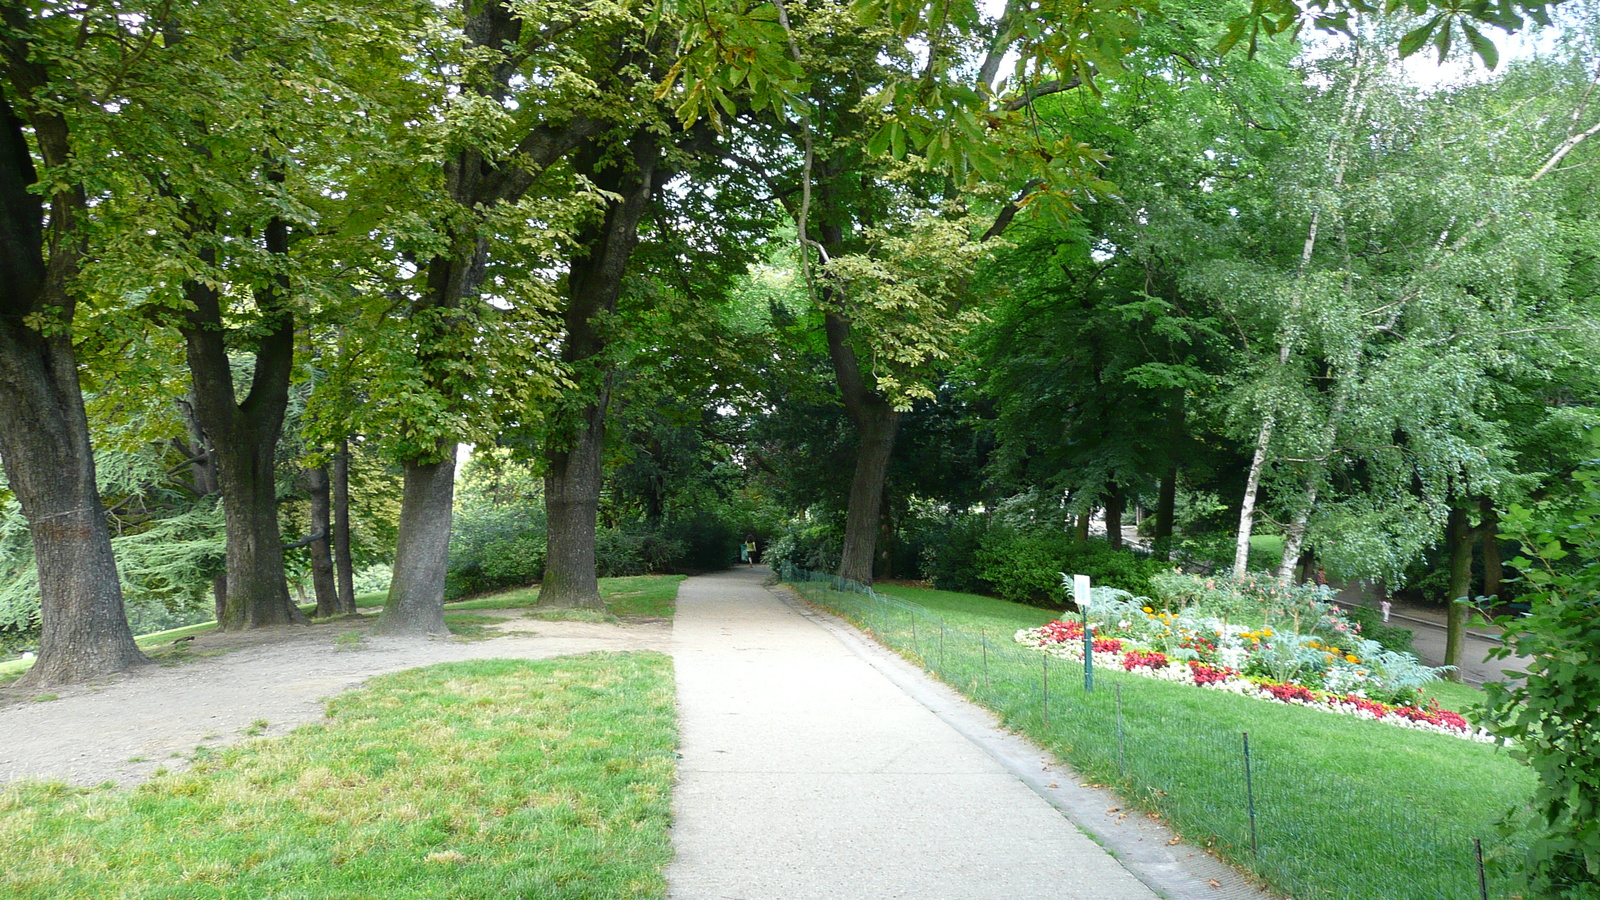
(1305, 652)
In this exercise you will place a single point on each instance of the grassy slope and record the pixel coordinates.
(493, 778)
(1345, 807)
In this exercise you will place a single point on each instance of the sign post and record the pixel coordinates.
(1080, 593)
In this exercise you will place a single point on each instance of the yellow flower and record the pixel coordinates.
(1351, 658)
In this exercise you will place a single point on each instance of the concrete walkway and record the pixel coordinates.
(808, 774)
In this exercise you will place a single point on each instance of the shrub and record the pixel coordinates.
(949, 556)
(1550, 715)
(814, 546)
(1025, 566)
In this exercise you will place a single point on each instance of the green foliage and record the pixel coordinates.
(1025, 565)
(169, 547)
(807, 545)
(949, 554)
(1550, 714)
(494, 547)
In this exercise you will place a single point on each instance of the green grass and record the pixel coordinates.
(472, 626)
(1345, 808)
(641, 596)
(496, 778)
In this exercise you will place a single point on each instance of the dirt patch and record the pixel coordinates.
(217, 689)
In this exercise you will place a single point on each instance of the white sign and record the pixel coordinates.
(1080, 590)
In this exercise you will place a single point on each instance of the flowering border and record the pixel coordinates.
(1065, 640)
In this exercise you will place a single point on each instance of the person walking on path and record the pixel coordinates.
(806, 772)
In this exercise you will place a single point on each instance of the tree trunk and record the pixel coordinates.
(572, 502)
(1493, 569)
(1247, 510)
(1115, 501)
(573, 454)
(1166, 508)
(341, 529)
(877, 434)
(244, 440)
(44, 432)
(1458, 535)
(49, 464)
(1295, 539)
(323, 582)
(1080, 530)
(257, 592)
(415, 606)
(203, 476)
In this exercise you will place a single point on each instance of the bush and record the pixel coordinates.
(1550, 716)
(495, 547)
(815, 546)
(949, 557)
(1025, 566)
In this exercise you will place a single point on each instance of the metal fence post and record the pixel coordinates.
(1122, 763)
(1483, 882)
(1046, 658)
(983, 636)
(1250, 794)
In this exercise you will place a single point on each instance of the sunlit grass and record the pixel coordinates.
(497, 778)
(635, 597)
(1345, 808)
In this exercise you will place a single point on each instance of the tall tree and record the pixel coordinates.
(44, 430)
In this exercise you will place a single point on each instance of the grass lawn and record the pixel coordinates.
(495, 778)
(1345, 808)
(640, 596)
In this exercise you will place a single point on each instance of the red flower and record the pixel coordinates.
(1204, 674)
(1290, 692)
(1136, 658)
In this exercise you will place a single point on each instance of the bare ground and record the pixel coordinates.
(215, 691)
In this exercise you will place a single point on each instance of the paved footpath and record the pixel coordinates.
(808, 774)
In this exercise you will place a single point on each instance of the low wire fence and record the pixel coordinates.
(1310, 833)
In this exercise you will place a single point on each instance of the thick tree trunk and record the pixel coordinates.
(44, 432)
(1166, 508)
(244, 440)
(571, 502)
(415, 606)
(44, 442)
(1115, 501)
(257, 592)
(1080, 528)
(1458, 535)
(323, 583)
(1247, 509)
(341, 529)
(877, 433)
(594, 284)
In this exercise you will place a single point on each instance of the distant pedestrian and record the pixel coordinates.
(1321, 577)
(1384, 605)
(749, 550)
